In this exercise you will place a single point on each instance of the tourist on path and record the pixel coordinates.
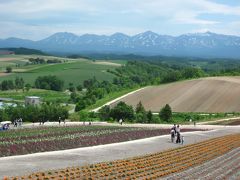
(172, 135)
(178, 134)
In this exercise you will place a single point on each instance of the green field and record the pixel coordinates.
(72, 71)
(45, 95)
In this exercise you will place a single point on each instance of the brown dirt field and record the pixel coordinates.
(227, 123)
(4, 74)
(8, 59)
(213, 94)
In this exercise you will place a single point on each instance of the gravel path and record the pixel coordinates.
(223, 167)
(26, 164)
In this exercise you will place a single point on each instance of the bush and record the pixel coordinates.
(8, 69)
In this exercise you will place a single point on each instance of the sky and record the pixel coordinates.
(38, 19)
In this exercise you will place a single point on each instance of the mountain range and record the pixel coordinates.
(206, 44)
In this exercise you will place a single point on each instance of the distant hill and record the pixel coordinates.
(207, 45)
(22, 51)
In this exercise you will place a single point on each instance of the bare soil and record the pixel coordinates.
(4, 74)
(213, 94)
(8, 59)
(107, 63)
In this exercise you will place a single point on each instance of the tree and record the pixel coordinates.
(19, 83)
(104, 113)
(83, 116)
(79, 87)
(122, 111)
(166, 113)
(140, 108)
(27, 87)
(149, 116)
(49, 83)
(71, 87)
(7, 85)
(141, 113)
(8, 69)
(80, 106)
(73, 96)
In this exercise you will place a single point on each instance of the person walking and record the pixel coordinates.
(59, 120)
(174, 128)
(172, 135)
(120, 121)
(182, 139)
(178, 134)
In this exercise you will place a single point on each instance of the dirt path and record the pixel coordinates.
(117, 99)
(25, 164)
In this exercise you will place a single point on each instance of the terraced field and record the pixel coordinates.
(158, 165)
(213, 94)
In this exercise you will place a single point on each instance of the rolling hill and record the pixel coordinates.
(70, 71)
(213, 94)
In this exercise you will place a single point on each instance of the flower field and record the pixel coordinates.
(32, 140)
(226, 166)
(153, 166)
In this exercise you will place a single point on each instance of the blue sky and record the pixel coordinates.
(37, 19)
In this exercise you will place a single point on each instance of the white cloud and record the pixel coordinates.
(108, 16)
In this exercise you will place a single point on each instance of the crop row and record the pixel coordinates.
(226, 166)
(51, 139)
(151, 166)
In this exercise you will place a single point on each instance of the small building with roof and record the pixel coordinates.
(32, 100)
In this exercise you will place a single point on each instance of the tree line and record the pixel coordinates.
(43, 61)
(42, 82)
(139, 115)
(45, 112)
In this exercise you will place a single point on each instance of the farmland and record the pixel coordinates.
(32, 140)
(72, 71)
(213, 94)
(233, 122)
(153, 166)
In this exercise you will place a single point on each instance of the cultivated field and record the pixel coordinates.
(213, 94)
(72, 71)
(32, 140)
(155, 166)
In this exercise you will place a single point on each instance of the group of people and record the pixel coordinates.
(175, 132)
(5, 127)
(17, 122)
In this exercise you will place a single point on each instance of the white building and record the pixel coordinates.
(32, 100)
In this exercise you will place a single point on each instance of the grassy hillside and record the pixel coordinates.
(72, 71)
